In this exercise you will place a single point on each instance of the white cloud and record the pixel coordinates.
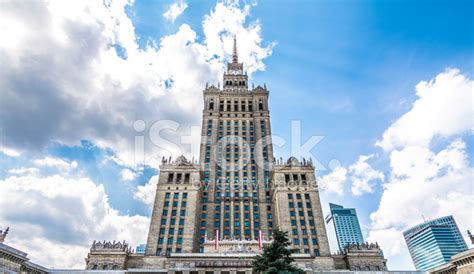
(73, 213)
(226, 20)
(334, 181)
(24, 170)
(100, 92)
(128, 175)
(364, 176)
(146, 193)
(444, 108)
(55, 163)
(425, 181)
(175, 10)
(9, 152)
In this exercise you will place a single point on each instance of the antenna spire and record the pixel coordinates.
(235, 57)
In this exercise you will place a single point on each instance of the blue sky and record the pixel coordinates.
(348, 70)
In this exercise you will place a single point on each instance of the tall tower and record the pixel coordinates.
(346, 225)
(434, 242)
(237, 191)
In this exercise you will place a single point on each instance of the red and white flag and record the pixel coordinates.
(216, 240)
(259, 240)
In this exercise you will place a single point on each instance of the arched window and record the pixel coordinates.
(211, 104)
(260, 104)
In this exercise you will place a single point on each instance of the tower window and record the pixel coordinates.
(211, 105)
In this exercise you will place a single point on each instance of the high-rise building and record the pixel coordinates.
(219, 212)
(434, 242)
(140, 249)
(235, 198)
(346, 225)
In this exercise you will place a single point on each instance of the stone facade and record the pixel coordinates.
(363, 257)
(461, 263)
(236, 194)
(13, 260)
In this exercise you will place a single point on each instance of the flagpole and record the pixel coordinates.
(259, 240)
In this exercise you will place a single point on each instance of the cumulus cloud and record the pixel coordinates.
(364, 176)
(73, 213)
(425, 181)
(334, 181)
(85, 77)
(146, 193)
(9, 152)
(444, 108)
(175, 10)
(55, 163)
(128, 175)
(24, 170)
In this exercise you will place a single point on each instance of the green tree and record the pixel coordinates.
(276, 258)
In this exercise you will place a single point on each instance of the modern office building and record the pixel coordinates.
(434, 242)
(217, 213)
(346, 225)
(140, 249)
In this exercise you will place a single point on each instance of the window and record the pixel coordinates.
(160, 240)
(163, 221)
(296, 242)
(290, 196)
(170, 241)
(176, 195)
(167, 195)
(162, 231)
(165, 212)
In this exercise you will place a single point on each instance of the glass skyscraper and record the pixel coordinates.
(346, 225)
(432, 243)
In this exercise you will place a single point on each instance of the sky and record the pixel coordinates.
(386, 85)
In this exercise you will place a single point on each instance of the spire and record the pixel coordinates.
(235, 58)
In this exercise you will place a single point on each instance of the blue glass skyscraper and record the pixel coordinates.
(346, 225)
(432, 243)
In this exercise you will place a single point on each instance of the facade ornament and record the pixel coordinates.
(3, 234)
